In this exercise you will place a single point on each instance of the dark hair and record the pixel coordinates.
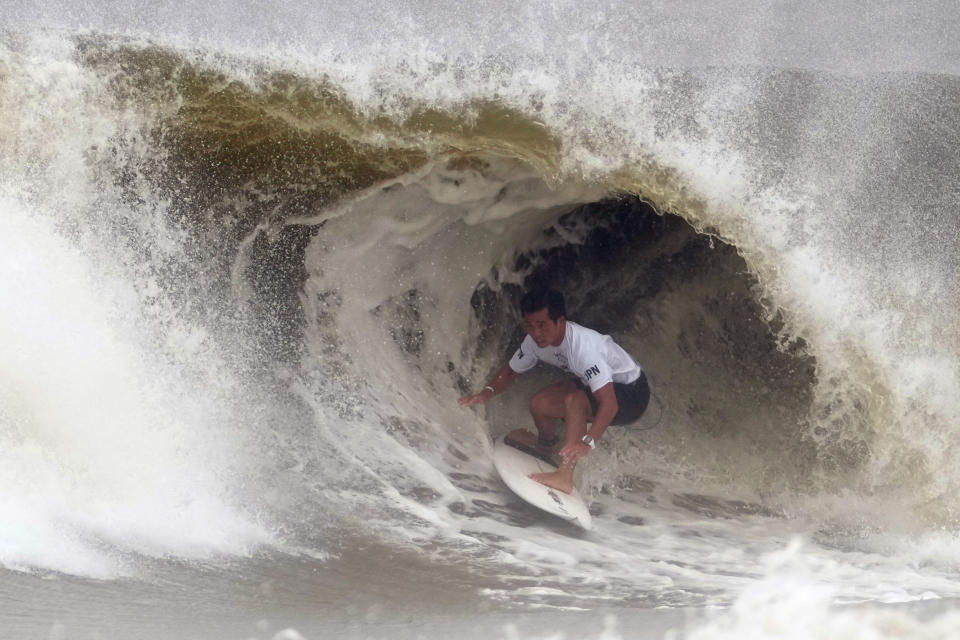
(549, 299)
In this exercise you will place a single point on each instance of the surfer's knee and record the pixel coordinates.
(576, 400)
(549, 401)
(539, 403)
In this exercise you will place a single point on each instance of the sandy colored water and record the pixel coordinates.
(367, 592)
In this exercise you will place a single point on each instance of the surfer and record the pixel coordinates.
(608, 386)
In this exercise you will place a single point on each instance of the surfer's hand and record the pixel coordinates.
(573, 452)
(477, 398)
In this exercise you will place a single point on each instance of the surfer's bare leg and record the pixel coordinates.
(576, 412)
(546, 407)
(549, 405)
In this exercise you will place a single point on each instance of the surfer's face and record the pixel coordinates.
(543, 330)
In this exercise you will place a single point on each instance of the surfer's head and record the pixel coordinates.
(544, 315)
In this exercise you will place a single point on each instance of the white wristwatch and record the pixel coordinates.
(588, 440)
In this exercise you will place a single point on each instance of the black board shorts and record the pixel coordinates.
(632, 399)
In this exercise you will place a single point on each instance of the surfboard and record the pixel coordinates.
(515, 467)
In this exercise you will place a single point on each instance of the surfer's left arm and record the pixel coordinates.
(607, 408)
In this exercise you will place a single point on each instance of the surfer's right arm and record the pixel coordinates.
(500, 382)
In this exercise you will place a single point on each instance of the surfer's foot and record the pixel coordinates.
(555, 479)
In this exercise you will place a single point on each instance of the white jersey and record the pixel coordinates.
(591, 356)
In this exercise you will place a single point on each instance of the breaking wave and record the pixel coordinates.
(241, 295)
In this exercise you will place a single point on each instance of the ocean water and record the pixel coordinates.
(250, 257)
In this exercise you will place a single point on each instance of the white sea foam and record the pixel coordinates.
(102, 450)
(793, 601)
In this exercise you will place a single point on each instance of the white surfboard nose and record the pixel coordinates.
(515, 467)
